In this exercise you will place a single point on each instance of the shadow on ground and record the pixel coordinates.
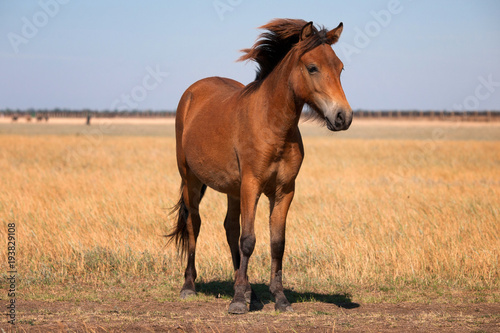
(262, 295)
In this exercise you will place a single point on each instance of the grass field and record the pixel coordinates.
(386, 213)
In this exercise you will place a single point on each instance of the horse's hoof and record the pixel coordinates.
(283, 307)
(186, 293)
(248, 296)
(237, 308)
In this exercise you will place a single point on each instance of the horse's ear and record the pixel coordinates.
(334, 35)
(307, 30)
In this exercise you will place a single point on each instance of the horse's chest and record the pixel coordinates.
(281, 167)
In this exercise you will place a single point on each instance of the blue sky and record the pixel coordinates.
(404, 54)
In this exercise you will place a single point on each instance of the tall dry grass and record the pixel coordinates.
(367, 214)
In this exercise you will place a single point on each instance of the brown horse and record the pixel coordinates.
(244, 141)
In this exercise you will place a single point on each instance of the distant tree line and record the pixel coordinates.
(476, 115)
(44, 114)
(65, 113)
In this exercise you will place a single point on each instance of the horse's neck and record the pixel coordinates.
(282, 110)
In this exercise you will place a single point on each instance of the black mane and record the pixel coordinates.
(281, 37)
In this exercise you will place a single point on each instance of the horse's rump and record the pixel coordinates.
(202, 143)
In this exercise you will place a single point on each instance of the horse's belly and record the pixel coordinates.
(215, 167)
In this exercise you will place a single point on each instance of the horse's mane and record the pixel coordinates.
(274, 44)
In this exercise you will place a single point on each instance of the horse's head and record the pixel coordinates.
(316, 77)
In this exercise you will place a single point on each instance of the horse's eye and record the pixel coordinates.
(312, 69)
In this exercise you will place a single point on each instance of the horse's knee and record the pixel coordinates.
(247, 244)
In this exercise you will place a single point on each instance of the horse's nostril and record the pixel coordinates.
(340, 119)
(338, 123)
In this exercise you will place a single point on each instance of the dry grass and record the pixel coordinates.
(369, 215)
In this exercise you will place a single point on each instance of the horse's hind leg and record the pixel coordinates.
(232, 226)
(192, 194)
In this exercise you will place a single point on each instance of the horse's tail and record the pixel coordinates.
(180, 233)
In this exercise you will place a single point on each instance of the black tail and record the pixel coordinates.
(180, 233)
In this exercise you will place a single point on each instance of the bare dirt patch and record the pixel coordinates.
(211, 316)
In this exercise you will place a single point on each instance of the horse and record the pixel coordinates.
(244, 141)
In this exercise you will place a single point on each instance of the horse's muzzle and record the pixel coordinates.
(341, 122)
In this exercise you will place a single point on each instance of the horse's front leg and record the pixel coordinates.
(250, 194)
(277, 221)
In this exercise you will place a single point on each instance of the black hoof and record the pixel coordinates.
(186, 293)
(283, 306)
(237, 308)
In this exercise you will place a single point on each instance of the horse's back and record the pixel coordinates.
(206, 96)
